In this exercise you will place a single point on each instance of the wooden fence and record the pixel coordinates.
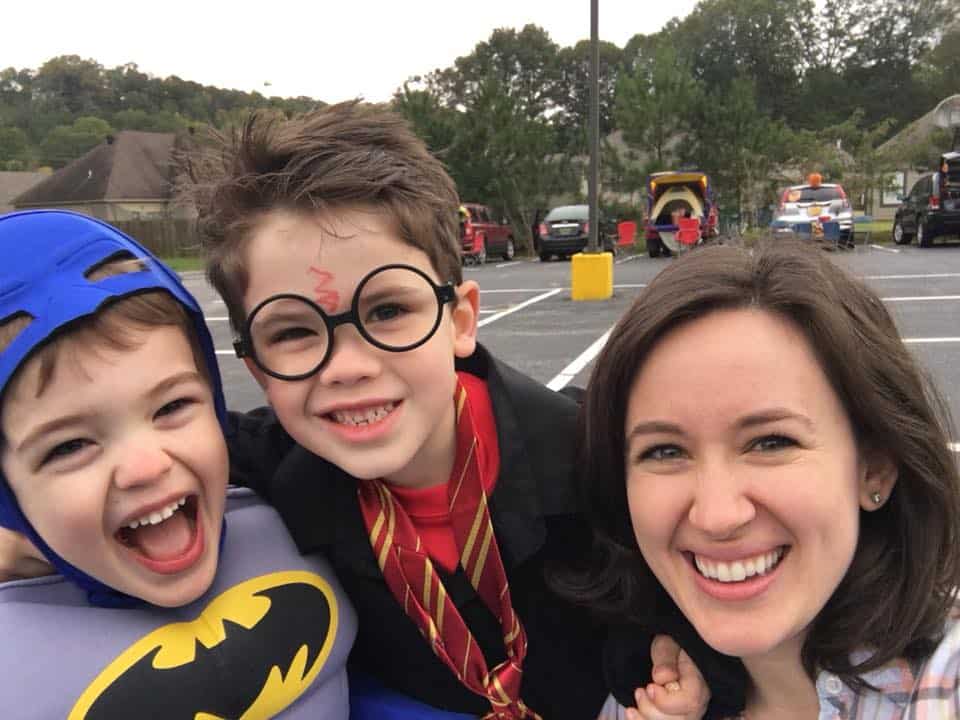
(165, 237)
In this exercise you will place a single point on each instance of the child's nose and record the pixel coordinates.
(351, 359)
(144, 463)
(720, 506)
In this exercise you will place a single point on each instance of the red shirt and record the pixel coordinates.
(429, 508)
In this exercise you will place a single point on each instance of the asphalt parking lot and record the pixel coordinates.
(528, 319)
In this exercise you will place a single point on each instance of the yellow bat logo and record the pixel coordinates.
(253, 650)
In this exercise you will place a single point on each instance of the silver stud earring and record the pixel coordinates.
(876, 497)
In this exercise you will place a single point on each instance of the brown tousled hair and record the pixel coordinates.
(898, 590)
(349, 154)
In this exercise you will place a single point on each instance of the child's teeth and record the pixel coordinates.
(158, 516)
(362, 417)
(738, 570)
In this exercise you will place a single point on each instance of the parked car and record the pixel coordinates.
(932, 207)
(483, 234)
(814, 202)
(675, 199)
(565, 231)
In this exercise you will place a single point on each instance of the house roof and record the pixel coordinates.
(130, 165)
(916, 131)
(15, 183)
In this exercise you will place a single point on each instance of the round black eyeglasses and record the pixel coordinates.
(395, 308)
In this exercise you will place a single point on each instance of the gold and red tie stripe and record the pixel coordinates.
(411, 577)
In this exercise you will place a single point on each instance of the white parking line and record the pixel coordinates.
(911, 277)
(920, 298)
(525, 303)
(484, 291)
(507, 264)
(955, 446)
(885, 249)
(919, 341)
(626, 259)
(571, 370)
(216, 318)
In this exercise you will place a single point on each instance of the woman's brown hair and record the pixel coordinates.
(898, 590)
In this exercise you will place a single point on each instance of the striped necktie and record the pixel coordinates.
(413, 581)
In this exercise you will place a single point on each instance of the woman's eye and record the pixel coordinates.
(662, 452)
(65, 449)
(770, 443)
(174, 406)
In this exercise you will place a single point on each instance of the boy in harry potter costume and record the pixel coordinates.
(436, 479)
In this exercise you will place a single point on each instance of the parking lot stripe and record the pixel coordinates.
(919, 341)
(885, 249)
(911, 277)
(920, 298)
(571, 370)
(525, 303)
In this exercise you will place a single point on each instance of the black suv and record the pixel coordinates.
(932, 209)
(566, 229)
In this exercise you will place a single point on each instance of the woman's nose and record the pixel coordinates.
(721, 505)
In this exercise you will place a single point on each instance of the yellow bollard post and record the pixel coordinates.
(591, 276)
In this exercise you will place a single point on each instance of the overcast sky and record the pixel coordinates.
(327, 49)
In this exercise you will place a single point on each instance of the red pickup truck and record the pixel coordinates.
(481, 236)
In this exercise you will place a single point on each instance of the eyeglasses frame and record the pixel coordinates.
(244, 348)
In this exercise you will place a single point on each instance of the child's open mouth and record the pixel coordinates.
(167, 540)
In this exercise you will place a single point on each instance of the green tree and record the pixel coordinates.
(737, 145)
(759, 39)
(653, 103)
(68, 142)
(14, 145)
(573, 95)
(523, 65)
(71, 84)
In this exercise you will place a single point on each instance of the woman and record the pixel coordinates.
(761, 442)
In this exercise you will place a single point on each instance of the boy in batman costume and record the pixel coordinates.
(114, 465)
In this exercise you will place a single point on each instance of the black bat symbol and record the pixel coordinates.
(224, 680)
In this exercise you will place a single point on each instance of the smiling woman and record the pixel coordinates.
(760, 441)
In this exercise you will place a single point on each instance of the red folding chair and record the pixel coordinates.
(689, 231)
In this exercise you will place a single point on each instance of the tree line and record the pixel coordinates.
(739, 88)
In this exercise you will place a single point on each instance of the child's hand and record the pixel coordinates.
(19, 558)
(678, 690)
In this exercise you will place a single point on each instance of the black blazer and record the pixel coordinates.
(537, 522)
(571, 662)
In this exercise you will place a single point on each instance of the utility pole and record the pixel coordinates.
(593, 245)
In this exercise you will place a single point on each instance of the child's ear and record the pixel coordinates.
(878, 476)
(465, 314)
(257, 373)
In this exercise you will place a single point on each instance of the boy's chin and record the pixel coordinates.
(184, 590)
(170, 591)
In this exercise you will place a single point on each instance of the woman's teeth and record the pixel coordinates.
(158, 516)
(740, 569)
(362, 417)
